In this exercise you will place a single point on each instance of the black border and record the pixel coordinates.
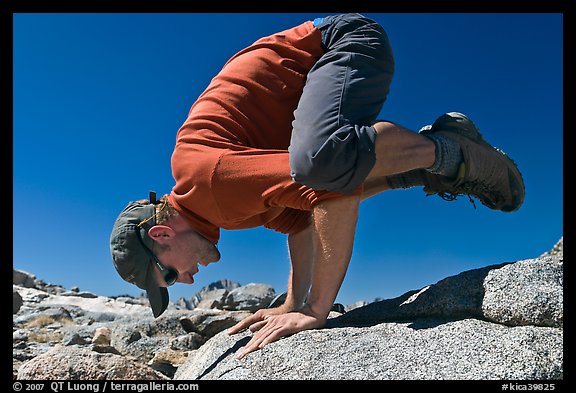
(9, 7)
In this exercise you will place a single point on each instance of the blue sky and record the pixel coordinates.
(98, 99)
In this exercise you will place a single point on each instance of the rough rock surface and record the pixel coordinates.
(425, 349)
(89, 328)
(527, 292)
(498, 322)
(250, 297)
(80, 363)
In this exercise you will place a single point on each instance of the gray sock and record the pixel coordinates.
(406, 180)
(448, 156)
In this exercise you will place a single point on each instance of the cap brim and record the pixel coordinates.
(157, 295)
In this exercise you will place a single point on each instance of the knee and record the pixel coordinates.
(327, 167)
(306, 168)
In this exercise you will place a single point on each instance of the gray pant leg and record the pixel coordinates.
(332, 144)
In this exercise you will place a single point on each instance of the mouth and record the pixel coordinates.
(192, 273)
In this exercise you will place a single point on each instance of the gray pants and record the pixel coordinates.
(332, 144)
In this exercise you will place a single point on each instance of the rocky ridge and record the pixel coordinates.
(498, 322)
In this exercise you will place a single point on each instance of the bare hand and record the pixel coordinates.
(258, 316)
(271, 325)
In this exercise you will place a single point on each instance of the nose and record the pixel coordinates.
(206, 263)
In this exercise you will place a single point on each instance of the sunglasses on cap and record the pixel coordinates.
(168, 274)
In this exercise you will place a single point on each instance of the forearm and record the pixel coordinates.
(301, 248)
(329, 248)
(334, 228)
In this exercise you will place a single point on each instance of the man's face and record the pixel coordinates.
(185, 252)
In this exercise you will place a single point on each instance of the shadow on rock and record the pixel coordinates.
(453, 298)
(240, 343)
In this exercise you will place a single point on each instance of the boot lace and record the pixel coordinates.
(473, 189)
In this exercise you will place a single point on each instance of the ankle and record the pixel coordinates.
(448, 156)
(404, 180)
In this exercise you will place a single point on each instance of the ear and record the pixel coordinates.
(161, 233)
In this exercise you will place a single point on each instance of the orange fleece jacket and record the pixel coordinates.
(230, 162)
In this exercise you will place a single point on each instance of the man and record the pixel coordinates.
(286, 137)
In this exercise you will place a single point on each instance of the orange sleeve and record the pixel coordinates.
(253, 186)
(290, 221)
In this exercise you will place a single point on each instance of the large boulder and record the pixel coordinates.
(23, 278)
(498, 322)
(424, 349)
(528, 292)
(82, 363)
(249, 297)
(212, 295)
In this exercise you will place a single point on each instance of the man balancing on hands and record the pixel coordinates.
(286, 137)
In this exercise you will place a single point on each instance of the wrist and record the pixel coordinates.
(286, 308)
(320, 313)
(294, 302)
(320, 302)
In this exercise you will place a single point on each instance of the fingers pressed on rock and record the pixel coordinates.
(244, 324)
(257, 326)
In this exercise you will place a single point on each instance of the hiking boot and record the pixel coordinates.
(486, 173)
